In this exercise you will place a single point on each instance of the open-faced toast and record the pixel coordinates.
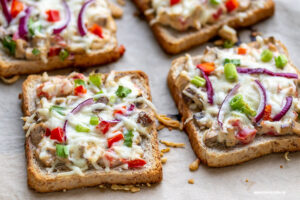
(174, 41)
(57, 34)
(222, 133)
(86, 131)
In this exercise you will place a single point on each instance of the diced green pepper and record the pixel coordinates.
(94, 120)
(198, 81)
(228, 44)
(79, 82)
(36, 51)
(112, 99)
(123, 91)
(281, 61)
(58, 109)
(266, 55)
(215, 2)
(95, 79)
(230, 72)
(80, 128)
(236, 62)
(63, 54)
(237, 103)
(128, 138)
(62, 150)
(9, 44)
(31, 28)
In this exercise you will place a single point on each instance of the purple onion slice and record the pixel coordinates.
(209, 88)
(225, 104)
(23, 24)
(285, 109)
(5, 10)
(265, 71)
(263, 102)
(81, 26)
(68, 19)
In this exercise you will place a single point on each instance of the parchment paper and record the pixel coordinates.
(266, 180)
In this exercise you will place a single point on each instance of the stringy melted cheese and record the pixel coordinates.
(86, 149)
(277, 89)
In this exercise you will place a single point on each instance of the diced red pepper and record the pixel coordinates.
(267, 114)
(136, 163)
(103, 126)
(78, 76)
(53, 15)
(173, 2)
(242, 51)
(218, 14)
(16, 8)
(120, 111)
(114, 139)
(54, 51)
(246, 135)
(79, 90)
(48, 132)
(57, 134)
(96, 30)
(41, 93)
(122, 49)
(207, 68)
(231, 5)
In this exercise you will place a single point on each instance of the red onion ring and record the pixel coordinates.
(285, 109)
(263, 102)
(6, 13)
(265, 71)
(68, 19)
(81, 26)
(209, 88)
(23, 25)
(220, 117)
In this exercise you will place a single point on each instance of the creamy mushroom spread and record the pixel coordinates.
(184, 14)
(238, 93)
(84, 123)
(39, 29)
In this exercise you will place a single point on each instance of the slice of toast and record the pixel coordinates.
(220, 156)
(173, 41)
(43, 181)
(108, 50)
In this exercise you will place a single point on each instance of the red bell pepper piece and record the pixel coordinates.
(173, 2)
(79, 90)
(242, 51)
(57, 134)
(218, 14)
(54, 51)
(96, 30)
(268, 111)
(207, 68)
(41, 93)
(48, 132)
(16, 8)
(246, 135)
(114, 139)
(136, 163)
(120, 111)
(53, 15)
(231, 5)
(103, 126)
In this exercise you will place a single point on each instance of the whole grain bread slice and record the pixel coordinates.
(220, 157)
(41, 181)
(173, 41)
(11, 66)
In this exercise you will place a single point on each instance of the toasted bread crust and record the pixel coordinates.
(174, 42)
(42, 182)
(10, 66)
(261, 145)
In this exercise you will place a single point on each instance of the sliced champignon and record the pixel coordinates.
(182, 80)
(202, 120)
(144, 119)
(37, 133)
(210, 138)
(190, 92)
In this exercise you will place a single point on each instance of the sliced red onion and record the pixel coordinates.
(23, 24)
(209, 88)
(78, 108)
(82, 104)
(285, 109)
(131, 107)
(81, 26)
(225, 104)
(265, 71)
(5, 10)
(263, 102)
(68, 19)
